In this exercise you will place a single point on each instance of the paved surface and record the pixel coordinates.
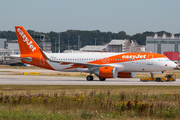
(57, 80)
(53, 80)
(8, 71)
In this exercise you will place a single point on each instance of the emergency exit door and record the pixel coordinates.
(150, 59)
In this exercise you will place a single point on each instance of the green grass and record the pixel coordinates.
(13, 89)
(89, 102)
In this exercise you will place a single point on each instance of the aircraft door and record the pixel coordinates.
(150, 60)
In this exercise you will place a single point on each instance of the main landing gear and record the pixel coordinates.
(89, 78)
(102, 79)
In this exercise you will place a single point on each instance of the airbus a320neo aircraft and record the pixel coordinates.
(103, 65)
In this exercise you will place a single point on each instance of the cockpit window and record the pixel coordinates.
(163, 59)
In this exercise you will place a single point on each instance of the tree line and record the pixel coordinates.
(86, 37)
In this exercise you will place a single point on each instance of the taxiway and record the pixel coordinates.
(56, 80)
(6, 79)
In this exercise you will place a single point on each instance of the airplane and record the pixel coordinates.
(103, 65)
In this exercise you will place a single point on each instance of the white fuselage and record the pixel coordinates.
(126, 65)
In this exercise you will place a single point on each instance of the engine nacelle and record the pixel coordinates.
(126, 74)
(108, 72)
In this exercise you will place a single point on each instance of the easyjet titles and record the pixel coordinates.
(134, 56)
(26, 40)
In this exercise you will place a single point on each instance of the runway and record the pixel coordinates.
(53, 80)
(6, 79)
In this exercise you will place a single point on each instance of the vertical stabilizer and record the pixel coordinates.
(26, 44)
(30, 50)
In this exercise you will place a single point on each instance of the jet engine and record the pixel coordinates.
(108, 72)
(126, 74)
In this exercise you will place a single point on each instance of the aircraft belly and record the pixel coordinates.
(70, 70)
(59, 67)
(140, 66)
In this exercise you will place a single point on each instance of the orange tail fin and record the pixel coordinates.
(29, 49)
(26, 44)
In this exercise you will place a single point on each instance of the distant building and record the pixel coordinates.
(93, 48)
(135, 47)
(143, 48)
(40, 40)
(115, 46)
(12, 45)
(125, 46)
(45, 46)
(10, 48)
(7, 52)
(2, 42)
(161, 44)
(71, 51)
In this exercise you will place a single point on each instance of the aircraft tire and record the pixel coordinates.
(89, 78)
(102, 79)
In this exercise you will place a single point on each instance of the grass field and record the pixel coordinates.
(18, 89)
(89, 102)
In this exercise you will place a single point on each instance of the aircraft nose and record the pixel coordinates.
(177, 66)
(172, 65)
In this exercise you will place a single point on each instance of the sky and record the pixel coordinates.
(131, 16)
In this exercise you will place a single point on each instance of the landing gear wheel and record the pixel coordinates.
(89, 78)
(102, 79)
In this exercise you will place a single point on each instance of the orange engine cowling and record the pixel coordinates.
(126, 74)
(108, 72)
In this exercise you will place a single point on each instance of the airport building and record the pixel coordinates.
(12, 47)
(40, 40)
(2, 43)
(116, 46)
(9, 48)
(161, 44)
(45, 46)
(94, 48)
